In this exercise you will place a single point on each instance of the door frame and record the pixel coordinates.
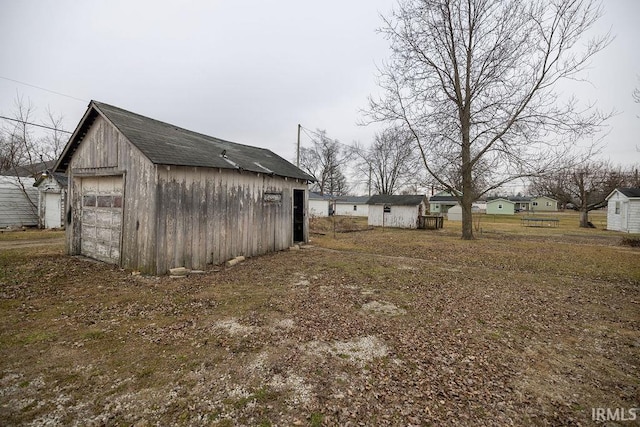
(298, 215)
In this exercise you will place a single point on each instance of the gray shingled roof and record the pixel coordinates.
(167, 144)
(443, 199)
(630, 192)
(352, 199)
(399, 200)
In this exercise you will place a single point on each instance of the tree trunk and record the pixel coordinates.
(467, 194)
(467, 216)
(584, 217)
(467, 173)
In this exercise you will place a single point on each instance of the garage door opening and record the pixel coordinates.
(101, 218)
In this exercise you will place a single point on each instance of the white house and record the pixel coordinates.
(18, 202)
(400, 211)
(352, 206)
(52, 192)
(623, 210)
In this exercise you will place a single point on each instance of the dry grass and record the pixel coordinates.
(384, 327)
(30, 234)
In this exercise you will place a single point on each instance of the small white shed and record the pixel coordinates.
(455, 213)
(400, 211)
(52, 192)
(319, 205)
(623, 210)
(352, 206)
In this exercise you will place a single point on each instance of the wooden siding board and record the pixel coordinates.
(161, 222)
(237, 221)
(197, 244)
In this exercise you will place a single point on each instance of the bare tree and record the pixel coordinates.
(585, 187)
(390, 162)
(325, 161)
(23, 151)
(473, 81)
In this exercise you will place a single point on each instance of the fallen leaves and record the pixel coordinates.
(409, 333)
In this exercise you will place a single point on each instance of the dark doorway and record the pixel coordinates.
(298, 215)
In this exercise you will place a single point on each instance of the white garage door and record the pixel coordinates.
(101, 221)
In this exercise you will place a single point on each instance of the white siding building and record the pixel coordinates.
(397, 211)
(623, 210)
(455, 213)
(319, 205)
(352, 206)
(18, 202)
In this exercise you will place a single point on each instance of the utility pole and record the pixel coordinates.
(298, 152)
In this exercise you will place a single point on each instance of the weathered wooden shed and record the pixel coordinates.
(400, 211)
(150, 196)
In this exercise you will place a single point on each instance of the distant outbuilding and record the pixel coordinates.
(401, 211)
(319, 205)
(18, 202)
(52, 195)
(352, 205)
(623, 210)
(455, 213)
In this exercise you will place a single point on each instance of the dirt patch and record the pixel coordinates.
(383, 308)
(234, 328)
(358, 350)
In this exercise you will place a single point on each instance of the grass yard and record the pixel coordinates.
(523, 326)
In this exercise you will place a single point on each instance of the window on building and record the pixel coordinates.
(617, 208)
(535, 203)
(548, 203)
(355, 208)
(500, 206)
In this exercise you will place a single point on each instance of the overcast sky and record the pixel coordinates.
(248, 70)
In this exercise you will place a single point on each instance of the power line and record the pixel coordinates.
(306, 131)
(41, 88)
(35, 124)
